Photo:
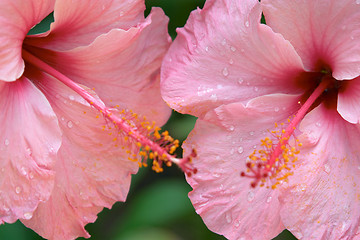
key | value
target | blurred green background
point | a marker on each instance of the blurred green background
(157, 207)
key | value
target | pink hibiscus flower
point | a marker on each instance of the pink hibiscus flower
(278, 134)
(64, 153)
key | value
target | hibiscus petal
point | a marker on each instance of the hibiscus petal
(30, 138)
(223, 140)
(92, 171)
(322, 198)
(78, 23)
(122, 66)
(225, 55)
(323, 31)
(349, 100)
(17, 18)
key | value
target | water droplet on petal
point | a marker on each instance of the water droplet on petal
(225, 72)
(70, 124)
(23, 171)
(62, 119)
(223, 42)
(228, 217)
(71, 97)
(207, 49)
(277, 109)
(240, 81)
(250, 196)
(232, 48)
(213, 97)
(327, 168)
(240, 150)
(231, 61)
(252, 133)
(256, 89)
(6, 142)
(318, 124)
(18, 189)
(247, 24)
(231, 128)
(28, 215)
(232, 151)
(237, 223)
(216, 175)
(31, 175)
(268, 200)
(121, 13)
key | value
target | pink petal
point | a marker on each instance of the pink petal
(322, 198)
(223, 140)
(321, 31)
(92, 172)
(349, 100)
(225, 55)
(17, 18)
(78, 23)
(122, 66)
(29, 139)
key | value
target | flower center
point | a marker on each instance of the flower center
(275, 161)
(142, 137)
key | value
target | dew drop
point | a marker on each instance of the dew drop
(252, 133)
(231, 128)
(207, 49)
(28, 215)
(268, 200)
(240, 150)
(256, 89)
(121, 13)
(237, 223)
(223, 42)
(232, 48)
(62, 119)
(232, 151)
(327, 168)
(23, 171)
(228, 217)
(217, 158)
(231, 61)
(6, 142)
(225, 72)
(18, 189)
(277, 109)
(71, 97)
(31, 175)
(216, 175)
(250, 196)
(213, 97)
(247, 24)
(240, 81)
(70, 124)
(318, 124)
(242, 50)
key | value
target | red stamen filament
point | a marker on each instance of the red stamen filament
(159, 148)
(276, 156)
